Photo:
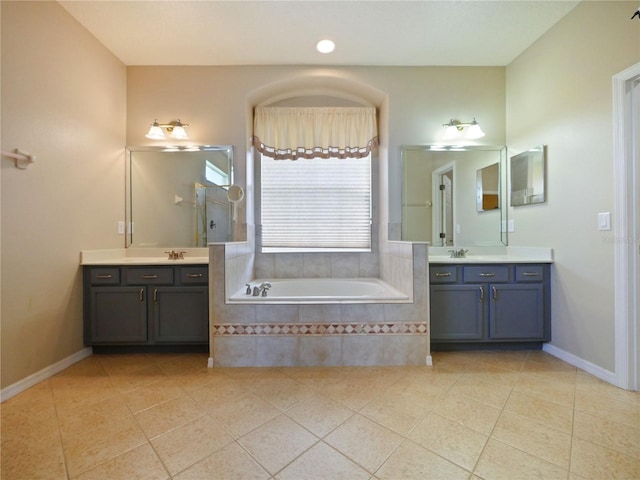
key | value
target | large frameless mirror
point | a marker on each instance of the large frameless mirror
(178, 196)
(454, 196)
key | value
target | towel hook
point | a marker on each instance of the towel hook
(23, 160)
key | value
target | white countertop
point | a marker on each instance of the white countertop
(493, 255)
(143, 256)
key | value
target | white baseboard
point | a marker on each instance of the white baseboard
(582, 364)
(12, 390)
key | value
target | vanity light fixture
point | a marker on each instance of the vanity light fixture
(456, 129)
(176, 130)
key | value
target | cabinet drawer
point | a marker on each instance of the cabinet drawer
(486, 274)
(194, 275)
(529, 273)
(104, 276)
(443, 274)
(149, 275)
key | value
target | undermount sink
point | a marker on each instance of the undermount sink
(470, 259)
(143, 256)
(161, 260)
(494, 255)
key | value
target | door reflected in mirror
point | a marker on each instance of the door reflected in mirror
(177, 196)
(488, 188)
(440, 195)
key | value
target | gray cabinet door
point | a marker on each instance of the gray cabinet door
(516, 312)
(179, 314)
(457, 312)
(118, 315)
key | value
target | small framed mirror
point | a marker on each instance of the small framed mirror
(528, 172)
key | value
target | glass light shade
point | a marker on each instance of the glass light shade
(155, 132)
(474, 131)
(450, 132)
(179, 133)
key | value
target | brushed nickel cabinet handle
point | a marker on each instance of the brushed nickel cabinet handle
(530, 274)
(141, 295)
(155, 295)
(149, 277)
(194, 275)
(495, 293)
(104, 277)
(481, 294)
(438, 274)
(487, 274)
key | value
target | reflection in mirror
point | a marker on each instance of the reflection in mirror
(440, 195)
(487, 188)
(177, 196)
(527, 177)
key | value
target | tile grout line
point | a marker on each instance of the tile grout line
(573, 423)
(64, 453)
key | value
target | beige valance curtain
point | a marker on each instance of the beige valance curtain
(315, 132)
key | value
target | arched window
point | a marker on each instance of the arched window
(315, 177)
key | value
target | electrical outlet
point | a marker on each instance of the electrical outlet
(512, 226)
(121, 227)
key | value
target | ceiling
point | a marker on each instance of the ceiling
(370, 32)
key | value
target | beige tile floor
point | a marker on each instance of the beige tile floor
(474, 415)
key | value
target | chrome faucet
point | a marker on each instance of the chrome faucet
(258, 290)
(461, 253)
(264, 286)
(175, 254)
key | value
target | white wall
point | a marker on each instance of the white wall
(559, 94)
(63, 100)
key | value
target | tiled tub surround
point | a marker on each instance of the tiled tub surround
(346, 333)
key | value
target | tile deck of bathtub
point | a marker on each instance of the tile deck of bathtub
(473, 415)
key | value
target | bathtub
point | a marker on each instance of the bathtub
(322, 290)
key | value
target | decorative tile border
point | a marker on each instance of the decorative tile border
(417, 328)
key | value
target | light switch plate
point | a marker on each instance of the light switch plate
(604, 221)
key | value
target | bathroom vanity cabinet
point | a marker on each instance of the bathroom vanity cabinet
(492, 304)
(146, 305)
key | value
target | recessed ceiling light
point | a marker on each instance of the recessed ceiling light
(325, 46)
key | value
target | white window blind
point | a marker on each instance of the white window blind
(316, 204)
